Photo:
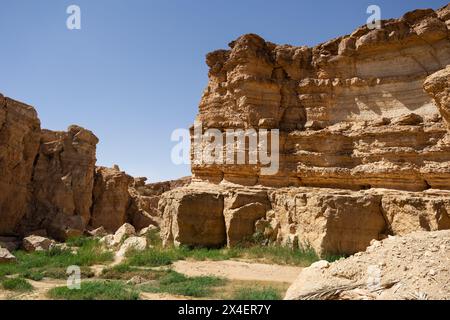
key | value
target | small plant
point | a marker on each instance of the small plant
(96, 290)
(267, 293)
(33, 275)
(125, 272)
(16, 284)
(154, 257)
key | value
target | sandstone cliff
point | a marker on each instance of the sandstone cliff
(19, 141)
(49, 183)
(360, 95)
(364, 140)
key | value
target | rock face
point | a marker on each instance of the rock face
(360, 95)
(144, 200)
(62, 181)
(364, 140)
(399, 268)
(111, 198)
(49, 183)
(193, 217)
(328, 220)
(19, 143)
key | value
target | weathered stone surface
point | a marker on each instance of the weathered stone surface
(193, 218)
(132, 243)
(399, 268)
(143, 210)
(19, 143)
(99, 232)
(6, 256)
(36, 243)
(406, 212)
(360, 95)
(63, 178)
(111, 198)
(242, 208)
(329, 221)
(438, 86)
(122, 233)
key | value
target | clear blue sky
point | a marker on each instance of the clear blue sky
(136, 71)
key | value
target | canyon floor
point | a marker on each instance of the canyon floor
(152, 273)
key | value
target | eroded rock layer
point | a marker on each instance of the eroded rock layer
(328, 220)
(62, 182)
(352, 111)
(364, 140)
(19, 143)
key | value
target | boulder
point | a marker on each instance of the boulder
(36, 243)
(122, 233)
(99, 232)
(132, 243)
(193, 218)
(6, 256)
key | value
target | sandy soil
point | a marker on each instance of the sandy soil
(231, 270)
(237, 270)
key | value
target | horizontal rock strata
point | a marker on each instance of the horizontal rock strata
(328, 220)
(360, 95)
(364, 140)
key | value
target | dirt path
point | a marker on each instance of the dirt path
(39, 293)
(237, 270)
(231, 270)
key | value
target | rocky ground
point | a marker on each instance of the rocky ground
(203, 276)
(416, 266)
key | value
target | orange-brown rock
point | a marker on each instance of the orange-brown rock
(143, 210)
(364, 149)
(19, 143)
(360, 95)
(193, 217)
(62, 182)
(111, 198)
(328, 220)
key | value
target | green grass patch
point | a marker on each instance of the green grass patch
(267, 293)
(154, 257)
(16, 284)
(35, 264)
(176, 283)
(96, 290)
(158, 256)
(125, 272)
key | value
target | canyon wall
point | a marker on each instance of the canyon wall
(360, 95)
(364, 144)
(50, 184)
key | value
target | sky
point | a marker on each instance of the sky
(136, 70)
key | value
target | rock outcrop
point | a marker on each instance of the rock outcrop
(360, 95)
(50, 185)
(111, 198)
(414, 267)
(19, 143)
(62, 183)
(364, 149)
(328, 220)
